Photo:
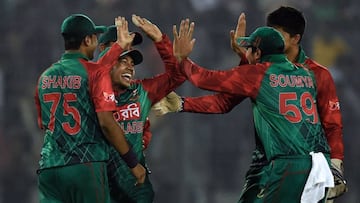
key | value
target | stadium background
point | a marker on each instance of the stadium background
(194, 158)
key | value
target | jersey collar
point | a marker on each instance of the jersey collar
(73, 55)
(302, 56)
(278, 58)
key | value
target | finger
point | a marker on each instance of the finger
(147, 21)
(182, 27)
(132, 35)
(186, 26)
(232, 34)
(192, 42)
(232, 37)
(135, 20)
(241, 26)
(175, 33)
(126, 26)
(191, 29)
(118, 21)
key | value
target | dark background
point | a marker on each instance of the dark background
(194, 158)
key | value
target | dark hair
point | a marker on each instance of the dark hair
(289, 19)
(72, 42)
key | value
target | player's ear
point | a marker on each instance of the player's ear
(257, 54)
(88, 40)
(295, 39)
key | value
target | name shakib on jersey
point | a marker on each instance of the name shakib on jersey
(59, 81)
(291, 81)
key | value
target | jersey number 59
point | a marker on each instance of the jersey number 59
(307, 106)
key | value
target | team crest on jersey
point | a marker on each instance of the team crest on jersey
(109, 97)
(134, 96)
(128, 112)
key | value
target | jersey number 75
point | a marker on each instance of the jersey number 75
(54, 98)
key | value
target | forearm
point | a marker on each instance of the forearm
(115, 135)
(211, 104)
(242, 81)
(110, 57)
(334, 137)
(330, 113)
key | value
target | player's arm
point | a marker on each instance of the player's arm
(240, 31)
(330, 116)
(211, 104)
(104, 101)
(147, 135)
(329, 111)
(161, 41)
(38, 108)
(124, 40)
(110, 58)
(242, 80)
(162, 84)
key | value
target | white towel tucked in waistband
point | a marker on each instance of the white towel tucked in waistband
(319, 178)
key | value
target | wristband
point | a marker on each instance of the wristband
(130, 158)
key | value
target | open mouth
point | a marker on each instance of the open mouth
(126, 76)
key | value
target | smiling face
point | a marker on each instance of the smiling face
(123, 72)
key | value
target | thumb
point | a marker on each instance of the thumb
(232, 34)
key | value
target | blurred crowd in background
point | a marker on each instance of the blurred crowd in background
(194, 158)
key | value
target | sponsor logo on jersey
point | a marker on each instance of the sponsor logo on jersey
(334, 105)
(128, 112)
(134, 96)
(132, 127)
(109, 97)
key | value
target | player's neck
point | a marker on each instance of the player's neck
(119, 89)
(292, 54)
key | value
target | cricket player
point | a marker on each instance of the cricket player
(75, 103)
(134, 100)
(105, 42)
(288, 129)
(291, 23)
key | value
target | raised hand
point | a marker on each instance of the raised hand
(171, 103)
(239, 32)
(124, 39)
(147, 27)
(183, 41)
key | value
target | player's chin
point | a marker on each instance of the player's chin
(125, 83)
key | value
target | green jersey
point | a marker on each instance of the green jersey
(68, 95)
(285, 113)
(133, 107)
(284, 105)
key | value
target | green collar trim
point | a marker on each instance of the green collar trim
(73, 55)
(274, 58)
